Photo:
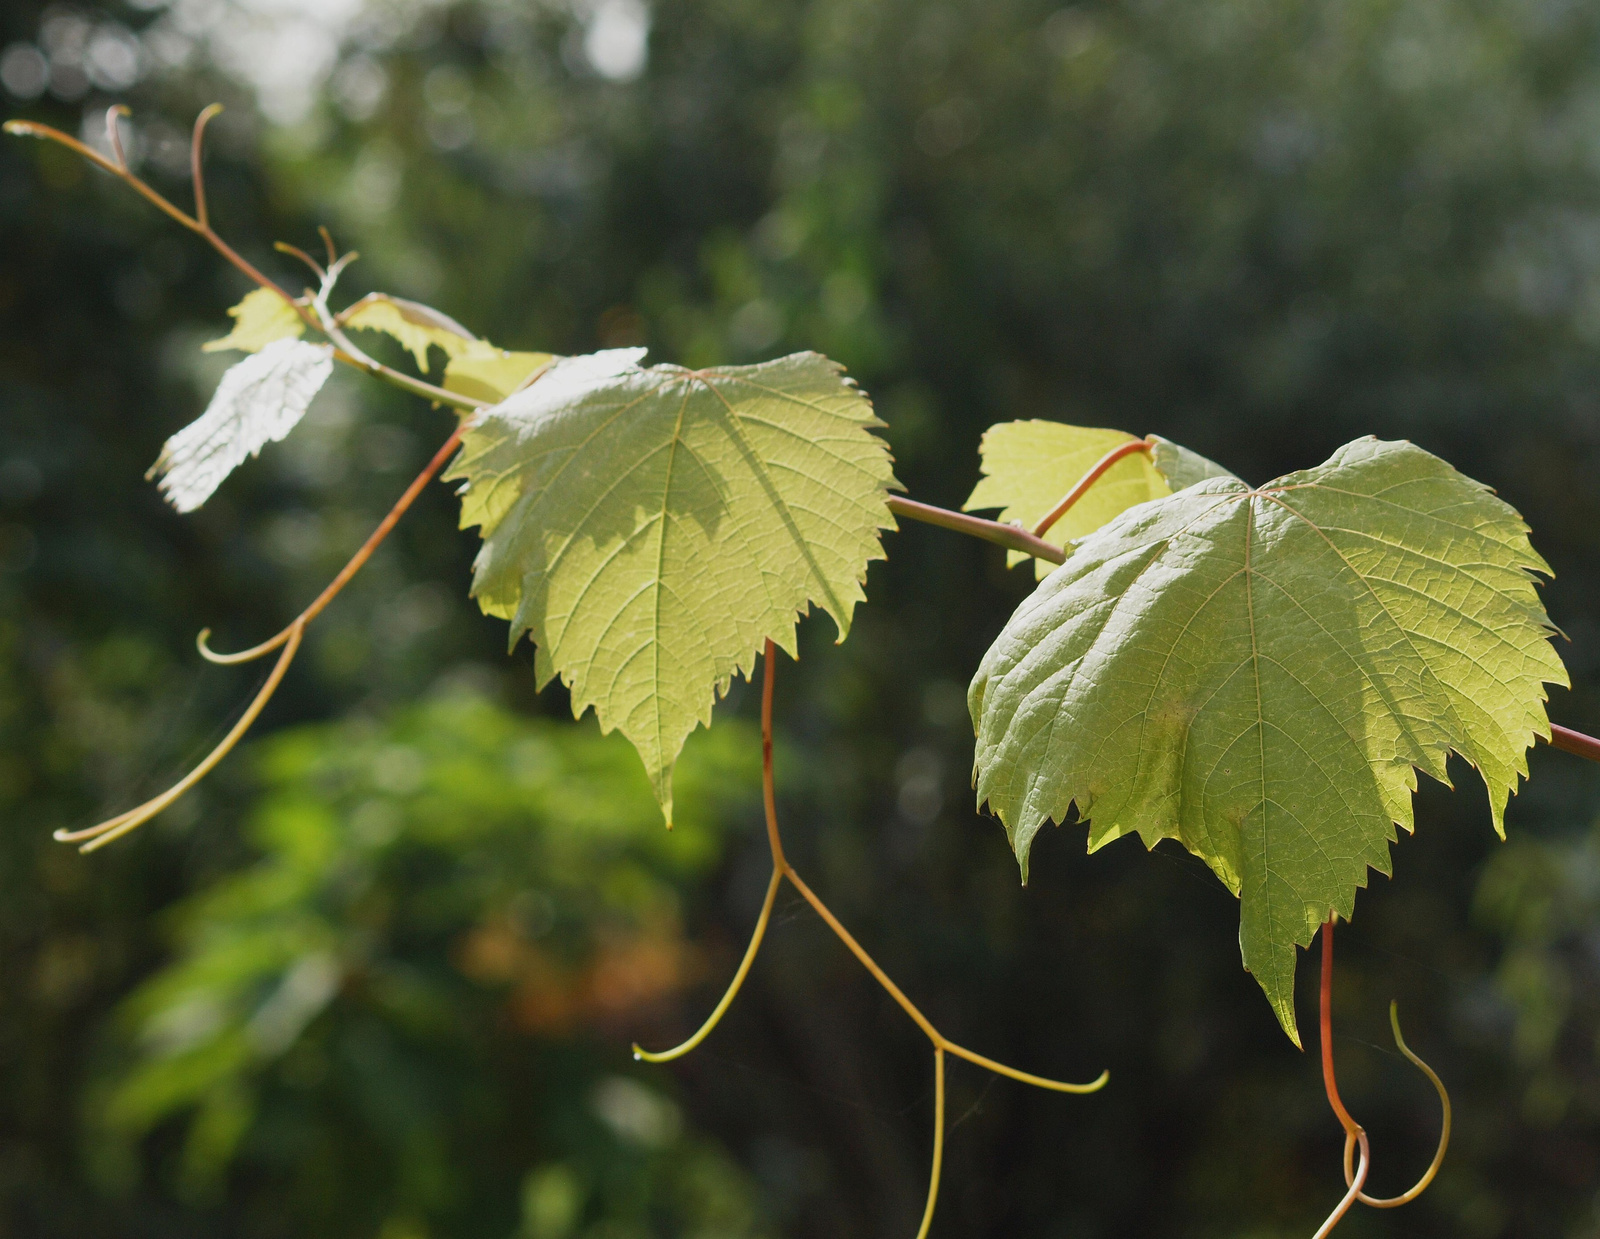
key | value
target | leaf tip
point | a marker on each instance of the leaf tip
(660, 784)
(1284, 1010)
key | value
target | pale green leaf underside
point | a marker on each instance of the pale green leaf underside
(651, 528)
(1255, 673)
(1028, 467)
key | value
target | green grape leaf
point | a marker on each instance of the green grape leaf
(485, 372)
(414, 325)
(1258, 673)
(1181, 467)
(258, 401)
(650, 528)
(262, 317)
(1028, 467)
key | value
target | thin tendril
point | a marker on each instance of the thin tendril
(1406, 1197)
(1081, 487)
(1351, 1196)
(114, 133)
(197, 159)
(938, 1142)
(199, 223)
(98, 836)
(781, 869)
(678, 1051)
(114, 828)
(345, 573)
(328, 323)
(294, 251)
(1354, 1135)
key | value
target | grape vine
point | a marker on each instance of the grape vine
(1255, 671)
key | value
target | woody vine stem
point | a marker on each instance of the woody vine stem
(314, 311)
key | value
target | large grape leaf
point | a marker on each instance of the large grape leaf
(651, 528)
(258, 401)
(1257, 672)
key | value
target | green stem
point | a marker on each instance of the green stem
(1012, 537)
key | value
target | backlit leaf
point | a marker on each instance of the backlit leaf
(485, 372)
(1028, 467)
(650, 528)
(1256, 673)
(262, 317)
(414, 325)
(259, 401)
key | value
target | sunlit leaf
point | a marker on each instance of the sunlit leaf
(485, 372)
(414, 325)
(650, 528)
(1255, 673)
(259, 401)
(261, 318)
(1028, 467)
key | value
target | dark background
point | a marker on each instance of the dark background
(365, 982)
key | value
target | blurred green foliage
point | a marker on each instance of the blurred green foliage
(380, 1017)
(1259, 229)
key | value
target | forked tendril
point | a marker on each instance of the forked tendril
(781, 869)
(200, 224)
(99, 835)
(1354, 1192)
(1354, 1135)
(94, 837)
(313, 311)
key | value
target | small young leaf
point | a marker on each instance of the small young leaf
(1029, 467)
(413, 324)
(651, 528)
(1255, 673)
(485, 372)
(262, 317)
(259, 401)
